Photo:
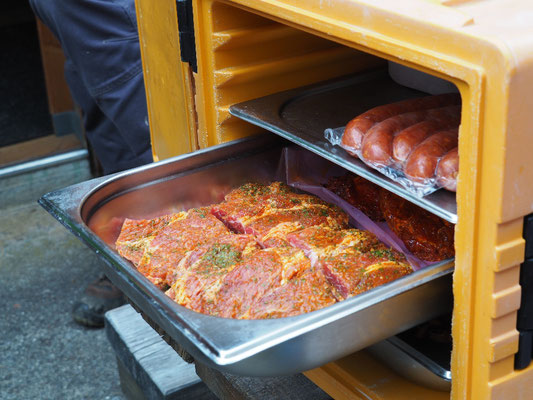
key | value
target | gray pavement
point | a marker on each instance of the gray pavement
(43, 268)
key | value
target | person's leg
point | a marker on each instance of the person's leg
(110, 146)
(104, 72)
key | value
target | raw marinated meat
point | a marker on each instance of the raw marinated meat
(427, 236)
(136, 235)
(305, 293)
(317, 242)
(260, 210)
(353, 261)
(360, 193)
(257, 276)
(199, 275)
(291, 254)
(173, 241)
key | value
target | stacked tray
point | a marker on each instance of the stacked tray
(301, 115)
(92, 211)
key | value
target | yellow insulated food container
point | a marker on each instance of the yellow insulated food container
(247, 49)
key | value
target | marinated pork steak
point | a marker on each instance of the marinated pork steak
(305, 293)
(257, 276)
(360, 193)
(136, 235)
(353, 261)
(318, 241)
(427, 236)
(271, 212)
(174, 240)
(199, 275)
(352, 272)
(291, 254)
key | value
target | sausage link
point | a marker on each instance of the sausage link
(439, 120)
(378, 142)
(448, 169)
(356, 129)
(422, 162)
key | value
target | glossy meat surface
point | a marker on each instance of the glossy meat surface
(261, 210)
(265, 252)
(352, 261)
(136, 235)
(318, 242)
(199, 275)
(263, 272)
(360, 193)
(173, 241)
(304, 293)
(427, 236)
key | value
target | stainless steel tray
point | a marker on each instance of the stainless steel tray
(301, 116)
(253, 348)
(412, 364)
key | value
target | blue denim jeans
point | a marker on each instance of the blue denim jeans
(104, 73)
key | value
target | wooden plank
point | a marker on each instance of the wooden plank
(226, 386)
(59, 98)
(157, 370)
(36, 148)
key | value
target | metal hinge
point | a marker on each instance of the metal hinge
(186, 33)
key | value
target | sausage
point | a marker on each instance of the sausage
(407, 140)
(356, 129)
(448, 169)
(422, 162)
(377, 145)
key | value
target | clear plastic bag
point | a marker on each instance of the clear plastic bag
(308, 172)
(394, 171)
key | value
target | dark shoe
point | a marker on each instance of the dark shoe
(98, 298)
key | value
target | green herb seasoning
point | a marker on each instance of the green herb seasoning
(386, 253)
(222, 255)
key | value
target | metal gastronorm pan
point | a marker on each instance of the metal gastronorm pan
(246, 347)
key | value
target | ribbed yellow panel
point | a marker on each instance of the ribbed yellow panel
(242, 56)
(167, 80)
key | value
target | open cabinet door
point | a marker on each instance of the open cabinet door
(169, 82)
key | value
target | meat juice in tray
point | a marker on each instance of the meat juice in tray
(267, 251)
(414, 142)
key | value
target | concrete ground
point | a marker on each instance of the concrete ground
(43, 269)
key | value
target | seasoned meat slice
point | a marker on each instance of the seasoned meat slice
(266, 227)
(199, 275)
(253, 199)
(172, 242)
(302, 294)
(360, 193)
(352, 271)
(425, 235)
(271, 212)
(258, 275)
(136, 235)
(320, 241)
(352, 260)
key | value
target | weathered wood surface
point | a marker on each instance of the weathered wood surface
(160, 373)
(226, 386)
(157, 370)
